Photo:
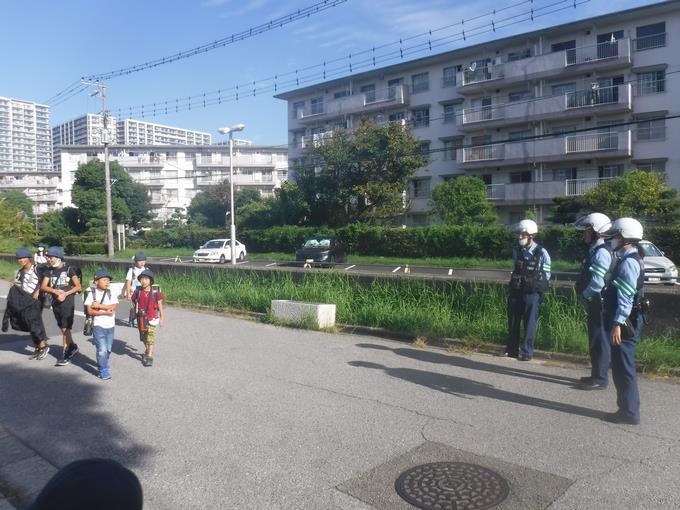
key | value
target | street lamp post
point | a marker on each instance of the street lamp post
(232, 226)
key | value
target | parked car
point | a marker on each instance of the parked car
(322, 250)
(219, 250)
(658, 268)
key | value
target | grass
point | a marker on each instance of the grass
(474, 313)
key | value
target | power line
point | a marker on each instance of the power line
(326, 70)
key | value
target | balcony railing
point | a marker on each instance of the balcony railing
(592, 53)
(483, 153)
(366, 101)
(481, 74)
(495, 191)
(577, 187)
(315, 140)
(649, 42)
(483, 113)
(592, 142)
(593, 97)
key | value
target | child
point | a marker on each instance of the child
(101, 306)
(62, 282)
(149, 307)
(131, 282)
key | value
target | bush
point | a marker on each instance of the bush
(181, 237)
(80, 248)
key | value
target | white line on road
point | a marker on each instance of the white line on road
(397, 269)
(270, 265)
(350, 267)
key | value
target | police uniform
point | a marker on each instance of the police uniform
(528, 282)
(622, 303)
(593, 278)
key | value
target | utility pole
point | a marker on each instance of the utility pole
(101, 91)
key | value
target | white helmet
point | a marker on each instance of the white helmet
(526, 227)
(629, 228)
(597, 221)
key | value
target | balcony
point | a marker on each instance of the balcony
(240, 160)
(650, 42)
(357, 103)
(569, 148)
(140, 162)
(597, 57)
(239, 179)
(577, 187)
(316, 140)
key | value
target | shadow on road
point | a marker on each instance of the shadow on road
(463, 362)
(467, 388)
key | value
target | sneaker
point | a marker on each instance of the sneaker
(64, 360)
(590, 386)
(587, 379)
(524, 357)
(147, 361)
(620, 419)
(71, 351)
(40, 352)
(105, 374)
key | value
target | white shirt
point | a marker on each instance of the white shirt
(132, 275)
(103, 321)
(39, 259)
(27, 280)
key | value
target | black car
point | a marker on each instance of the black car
(321, 250)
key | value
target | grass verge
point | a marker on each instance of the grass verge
(475, 314)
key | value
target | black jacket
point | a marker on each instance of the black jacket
(23, 313)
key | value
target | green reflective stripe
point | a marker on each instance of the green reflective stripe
(624, 287)
(597, 270)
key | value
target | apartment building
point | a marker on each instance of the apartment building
(26, 152)
(174, 175)
(539, 115)
(84, 130)
(137, 132)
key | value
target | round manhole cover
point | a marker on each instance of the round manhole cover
(452, 486)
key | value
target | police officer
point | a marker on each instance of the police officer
(623, 316)
(593, 278)
(528, 282)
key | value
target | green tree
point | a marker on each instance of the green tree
(566, 209)
(206, 211)
(643, 195)
(359, 177)
(53, 228)
(15, 226)
(129, 200)
(15, 199)
(463, 201)
(290, 206)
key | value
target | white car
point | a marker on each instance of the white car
(219, 250)
(658, 269)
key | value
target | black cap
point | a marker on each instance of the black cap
(140, 256)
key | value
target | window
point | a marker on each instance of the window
(420, 188)
(424, 148)
(396, 117)
(420, 82)
(298, 109)
(316, 105)
(519, 55)
(653, 129)
(650, 36)
(565, 45)
(394, 88)
(449, 76)
(652, 82)
(607, 44)
(520, 95)
(450, 147)
(559, 130)
(562, 174)
(520, 177)
(520, 135)
(652, 166)
(449, 113)
(341, 93)
(369, 93)
(421, 117)
(486, 178)
(609, 171)
(562, 89)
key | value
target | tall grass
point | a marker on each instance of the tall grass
(475, 313)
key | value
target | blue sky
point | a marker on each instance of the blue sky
(48, 44)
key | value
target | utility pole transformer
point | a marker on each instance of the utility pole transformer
(101, 90)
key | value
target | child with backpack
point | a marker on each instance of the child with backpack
(101, 305)
(131, 282)
(62, 282)
(149, 309)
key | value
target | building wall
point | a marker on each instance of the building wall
(174, 175)
(135, 132)
(477, 108)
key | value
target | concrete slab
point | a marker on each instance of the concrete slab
(529, 489)
(323, 315)
(12, 450)
(26, 477)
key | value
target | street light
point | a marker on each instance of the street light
(232, 227)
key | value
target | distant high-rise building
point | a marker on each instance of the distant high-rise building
(26, 152)
(136, 132)
(84, 130)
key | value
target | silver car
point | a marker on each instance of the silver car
(658, 268)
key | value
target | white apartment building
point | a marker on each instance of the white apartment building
(26, 152)
(84, 130)
(174, 175)
(477, 109)
(137, 132)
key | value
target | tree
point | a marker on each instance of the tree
(290, 206)
(642, 195)
(206, 211)
(53, 228)
(15, 226)
(15, 199)
(463, 201)
(567, 209)
(361, 177)
(129, 200)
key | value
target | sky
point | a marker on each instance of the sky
(47, 45)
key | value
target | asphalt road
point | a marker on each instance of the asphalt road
(241, 415)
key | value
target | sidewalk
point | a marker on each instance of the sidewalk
(239, 414)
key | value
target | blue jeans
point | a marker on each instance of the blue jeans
(103, 341)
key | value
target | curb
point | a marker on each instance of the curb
(23, 472)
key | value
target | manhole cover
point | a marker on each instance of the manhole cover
(452, 486)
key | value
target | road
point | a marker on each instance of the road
(237, 414)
